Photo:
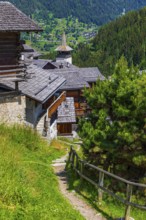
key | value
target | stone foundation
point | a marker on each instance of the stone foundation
(22, 110)
(12, 109)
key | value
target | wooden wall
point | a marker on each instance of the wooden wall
(9, 48)
(64, 129)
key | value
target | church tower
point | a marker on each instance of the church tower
(64, 51)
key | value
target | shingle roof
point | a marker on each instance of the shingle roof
(42, 85)
(73, 79)
(43, 62)
(12, 19)
(66, 111)
(91, 74)
(66, 65)
(78, 78)
(63, 47)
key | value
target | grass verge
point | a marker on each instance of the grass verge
(28, 186)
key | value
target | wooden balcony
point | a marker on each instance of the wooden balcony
(12, 72)
(54, 106)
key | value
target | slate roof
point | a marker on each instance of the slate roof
(73, 79)
(65, 64)
(78, 78)
(66, 111)
(91, 74)
(12, 19)
(43, 62)
(41, 86)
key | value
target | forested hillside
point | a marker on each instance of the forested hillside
(124, 36)
(87, 11)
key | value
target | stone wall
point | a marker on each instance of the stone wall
(12, 109)
(23, 110)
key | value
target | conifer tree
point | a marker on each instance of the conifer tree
(115, 132)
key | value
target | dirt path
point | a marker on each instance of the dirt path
(88, 212)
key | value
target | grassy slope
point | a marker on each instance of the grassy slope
(28, 186)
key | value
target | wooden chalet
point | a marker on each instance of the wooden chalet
(76, 78)
(12, 23)
(54, 92)
(28, 94)
(42, 99)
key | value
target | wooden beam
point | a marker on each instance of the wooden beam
(11, 70)
(12, 78)
(11, 66)
(2, 94)
(11, 75)
(53, 108)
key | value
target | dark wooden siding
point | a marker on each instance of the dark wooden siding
(74, 93)
(64, 129)
(9, 48)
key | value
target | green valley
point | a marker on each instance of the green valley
(77, 32)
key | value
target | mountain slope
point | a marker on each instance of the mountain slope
(97, 11)
(124, 36)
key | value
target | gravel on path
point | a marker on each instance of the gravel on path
(85, 209)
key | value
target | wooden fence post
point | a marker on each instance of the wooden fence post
(129, 196)
(76, 161)
(72, 159)
(81, 169)
(69, 158)
(100, 191)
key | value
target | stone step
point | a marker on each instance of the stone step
(58, 164)
(58, 161)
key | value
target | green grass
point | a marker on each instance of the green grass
(28, 186)
(110, 208)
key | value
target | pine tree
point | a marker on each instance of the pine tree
(115, 131)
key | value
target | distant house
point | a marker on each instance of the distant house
(28, 94)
